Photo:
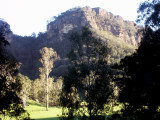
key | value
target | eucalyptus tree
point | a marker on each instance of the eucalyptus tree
(49, 56)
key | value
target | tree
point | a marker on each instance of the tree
(10, 86)
(37, 90)
(33, 35)
(55, 91)
(140, 84)
(48, 58)
(86, 85)
(149, 12)
(26, 86)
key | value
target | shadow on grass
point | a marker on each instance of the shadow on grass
(57, 118)
(35, 103)
(54, 118)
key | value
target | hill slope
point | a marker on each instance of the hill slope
(120, 35)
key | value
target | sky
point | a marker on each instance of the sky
(28, 16)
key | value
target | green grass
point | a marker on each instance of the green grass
(38, 111)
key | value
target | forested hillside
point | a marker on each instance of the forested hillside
(120, 35)
(88, 65)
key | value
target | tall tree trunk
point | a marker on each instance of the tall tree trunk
(90, 107)
(47, 90)
(47, 60)
(89, 88)
(24, 101)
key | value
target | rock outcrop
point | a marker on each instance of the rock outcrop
(97, 19)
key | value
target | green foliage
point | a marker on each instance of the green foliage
(55, 92)
(140, 83)
(10, 86)
(88, 72)
(118, 49)
(149, 12)
(37, 92)
(48, 58)
(26, 87)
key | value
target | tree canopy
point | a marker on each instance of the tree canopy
(10, 86)
(140, 83)
(86, 87)
(48, 58)
(149, 12)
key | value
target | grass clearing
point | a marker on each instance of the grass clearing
(38, 111)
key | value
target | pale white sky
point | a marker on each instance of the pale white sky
(28, 16)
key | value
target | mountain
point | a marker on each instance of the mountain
(120, 35)
(97, 19)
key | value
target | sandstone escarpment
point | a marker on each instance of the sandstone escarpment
(97, 19)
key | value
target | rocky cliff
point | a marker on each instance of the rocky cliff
(97, 19)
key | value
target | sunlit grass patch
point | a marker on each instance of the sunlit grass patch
(38, 111)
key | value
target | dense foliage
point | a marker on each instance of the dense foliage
(38, 91)
(140, 82)
(149, 13)
(86, 87)
(26, 87)
(89, 83)
(10, 86)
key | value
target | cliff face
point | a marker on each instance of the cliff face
(96, 18)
